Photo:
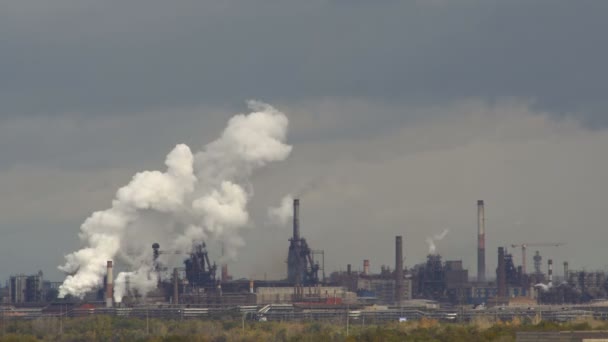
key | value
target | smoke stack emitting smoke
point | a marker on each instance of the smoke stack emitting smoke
(280, 215)
(437, 237)
(549, 285)
(109, 284)
(550, 271)
(199, 196)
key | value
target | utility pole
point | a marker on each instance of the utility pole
(147, 321)
(3, 322)
(244, 316)
(61, 319)
(347, 317)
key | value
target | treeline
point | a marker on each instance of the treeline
(106, 328)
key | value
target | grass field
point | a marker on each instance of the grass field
(106, 328)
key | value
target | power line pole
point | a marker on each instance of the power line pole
(147, 321)
(347, 317)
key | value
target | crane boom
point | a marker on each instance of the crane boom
(533, 244)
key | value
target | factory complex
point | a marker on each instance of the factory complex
(436, 288)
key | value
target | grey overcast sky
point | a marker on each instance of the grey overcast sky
(402, 115)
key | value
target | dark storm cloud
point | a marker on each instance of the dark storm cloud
(407, 112)
(113, 56)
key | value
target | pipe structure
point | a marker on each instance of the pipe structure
(398, 270)
(348, 269)
(109, 285)
(224, 272)
(550, 271)
(538, 259)
(481, 242)
(296, 240)
(296, 219)
(501, 274)
(565, 271)
(366, 267)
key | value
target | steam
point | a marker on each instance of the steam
(544, 287)
(145, 279)
(200, 196)
(280, 215)
(432, 239)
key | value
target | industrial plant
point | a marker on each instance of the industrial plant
(434, 284)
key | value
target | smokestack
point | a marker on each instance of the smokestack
(175, 287)
(366, 267)
(251, 286)
(565, 271)
(398, 270)
(348, 269)
(481, 242)
(224, 272)
(501, 274)
(296, 219)
(550, 271)
(109, 285)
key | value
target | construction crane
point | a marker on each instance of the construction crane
(524, 246)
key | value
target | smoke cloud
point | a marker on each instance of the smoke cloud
(432, 239)
(543, 287)
(200, 196)
(144, 278)
(280, 215)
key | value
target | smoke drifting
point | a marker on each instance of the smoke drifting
(432, 239)
(280, 215)
(543, 287)
(199, 196)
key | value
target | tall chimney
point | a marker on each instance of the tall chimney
(109, 285)
(366, 267)
(565, 271)
(481, 242)
(175, 287)
(550, 271)
(296, 219)
(398, 270)
(501, 274)
(348, 269)
(224, 272)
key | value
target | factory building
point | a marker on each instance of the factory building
(457, 282)
(26, 288)
(387, 287)
(195, 281)
(591, 284)
(379, 289)
(443, 281)
(578, 287)
(310, 295)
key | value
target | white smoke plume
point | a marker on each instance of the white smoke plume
(201, 196)
(145, 278)
(281, 214)
(544, 287)
(432, 239)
